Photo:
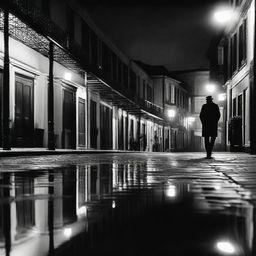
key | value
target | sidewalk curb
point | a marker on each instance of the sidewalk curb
(14, 153)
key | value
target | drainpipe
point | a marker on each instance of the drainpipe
(6, 85)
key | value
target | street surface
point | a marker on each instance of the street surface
(128, 204)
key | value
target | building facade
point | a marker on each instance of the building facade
(172, 98)
(64, 84)
(236, 64)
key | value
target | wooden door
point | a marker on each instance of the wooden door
(105, 127)
(144, 137)
(126, 133)
(120, 132)
(69, 118)
(93, 124)
(81, 122)
(24, 112)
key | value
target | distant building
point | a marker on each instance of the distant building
(196, 82)
(171, 96)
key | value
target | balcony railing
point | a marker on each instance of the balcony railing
(151, 107)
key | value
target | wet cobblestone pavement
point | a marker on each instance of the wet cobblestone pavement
(128, 204)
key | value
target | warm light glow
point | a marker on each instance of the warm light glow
(171, 113)
(67, 232)
(68, 76)
(210, 88)
(82, 210)
(171, 191)
(223, 16)
(226, 247)
(191, 119)
(222, 97)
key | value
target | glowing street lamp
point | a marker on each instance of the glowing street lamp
(68, 76)
(67, 232)
(191, 120)
(222, 97)
(171, 113)
(223, 15)
(210, 88)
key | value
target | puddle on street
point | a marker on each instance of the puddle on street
(123, 209)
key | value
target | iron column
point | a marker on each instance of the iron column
(6, 85)
(51, 142)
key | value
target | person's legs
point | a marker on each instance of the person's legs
(207, 145)
(212, 144)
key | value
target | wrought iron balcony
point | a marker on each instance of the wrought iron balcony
(29, 25)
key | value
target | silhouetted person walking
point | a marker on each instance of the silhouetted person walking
(209, 116)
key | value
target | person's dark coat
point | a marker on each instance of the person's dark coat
(210, 115)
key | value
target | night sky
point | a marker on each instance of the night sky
(174, 34)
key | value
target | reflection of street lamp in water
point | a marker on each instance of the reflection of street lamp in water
(171, 191)
(226, 247)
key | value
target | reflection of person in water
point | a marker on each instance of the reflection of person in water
(209, 116)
